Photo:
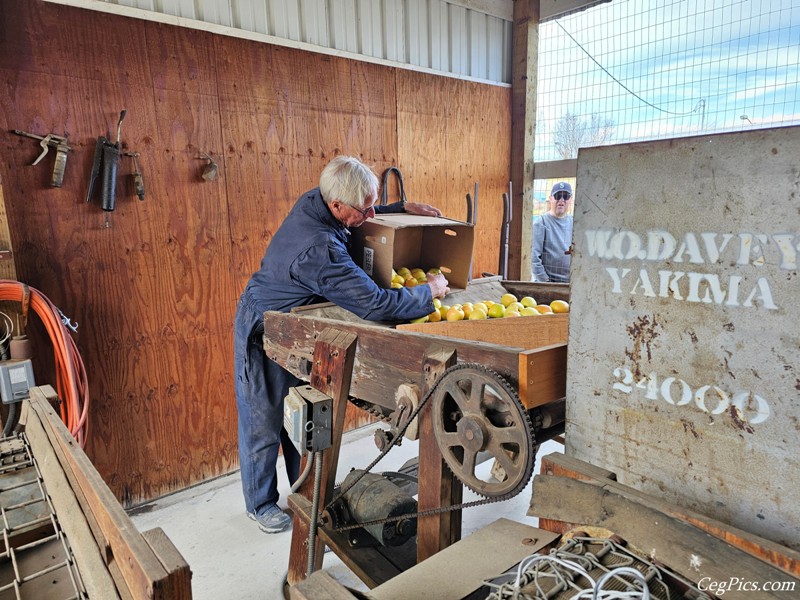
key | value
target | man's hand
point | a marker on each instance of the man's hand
(425, 210)
(438, 285)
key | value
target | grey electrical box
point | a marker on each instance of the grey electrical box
(307, 418)
(16, 378)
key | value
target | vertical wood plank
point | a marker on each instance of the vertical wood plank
(334, 354)
(437, 484)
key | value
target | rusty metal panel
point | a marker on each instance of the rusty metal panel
(684, 330)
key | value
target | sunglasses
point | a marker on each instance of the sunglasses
(562, 196)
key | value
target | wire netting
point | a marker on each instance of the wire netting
(634, 70)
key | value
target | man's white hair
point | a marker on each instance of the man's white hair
(347, 180)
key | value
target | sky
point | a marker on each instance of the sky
(670, 68)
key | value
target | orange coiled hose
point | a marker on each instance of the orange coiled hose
(71, 382)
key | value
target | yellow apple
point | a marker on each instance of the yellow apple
(527, 301)
(477, 314)
(455, 314)
(496, 311)
(507, 299)
(480, 306)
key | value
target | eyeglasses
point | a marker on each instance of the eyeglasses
(562, 196)
(365, 211)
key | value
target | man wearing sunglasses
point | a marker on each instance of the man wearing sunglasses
(307, 262)
(552, 236)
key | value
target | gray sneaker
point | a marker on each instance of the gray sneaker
(272, 520)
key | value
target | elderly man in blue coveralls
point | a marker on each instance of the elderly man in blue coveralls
(307, 262)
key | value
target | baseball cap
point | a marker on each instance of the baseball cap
(561, 186)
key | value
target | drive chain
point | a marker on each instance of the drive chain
(396, 442)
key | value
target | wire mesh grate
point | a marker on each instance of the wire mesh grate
(36, 561)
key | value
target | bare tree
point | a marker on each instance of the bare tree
(571, 133)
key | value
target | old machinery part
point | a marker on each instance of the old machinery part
(383, 438)
(503, 408)
(475, 410)
(406, 400)
(369, 498)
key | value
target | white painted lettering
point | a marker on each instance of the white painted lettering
(788, 248)
(690, 247)
(733, 290)
(712, 250)
(598, 243)
(712, 285)
(617, 277)
(668, 283)
(644, 283)
(660, 245)
(748, 248)
(622, 250)
(763, 293)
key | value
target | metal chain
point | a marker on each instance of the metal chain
(396, 442)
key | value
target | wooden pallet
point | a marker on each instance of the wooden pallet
(112, 559)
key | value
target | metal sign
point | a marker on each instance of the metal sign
(685, 327)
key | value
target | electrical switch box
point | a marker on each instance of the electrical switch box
(16, 378)
(308, 418)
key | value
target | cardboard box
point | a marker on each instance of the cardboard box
(402, 240)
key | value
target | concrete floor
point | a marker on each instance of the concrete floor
(231, 558)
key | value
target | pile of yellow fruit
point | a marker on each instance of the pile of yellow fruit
(405, 277)
(508, 306)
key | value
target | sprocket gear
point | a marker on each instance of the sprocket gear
(474, 411)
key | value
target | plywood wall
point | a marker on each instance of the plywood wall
(155, 293)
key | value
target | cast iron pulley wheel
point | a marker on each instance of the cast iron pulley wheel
(475, 411)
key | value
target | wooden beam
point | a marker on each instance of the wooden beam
(7, 267)
(780, 556)
(332, 369)
(543, 375)
(385, 358)
(553, 9)
(90, 560)
(685, 548)
(320, 586)
(437, 484)
(523, 131)
(458, 571)
(556, 169)
(142, 571)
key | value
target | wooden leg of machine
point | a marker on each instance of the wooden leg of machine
(333, 367)
(437, 485)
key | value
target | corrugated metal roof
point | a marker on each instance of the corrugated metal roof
(466, 38)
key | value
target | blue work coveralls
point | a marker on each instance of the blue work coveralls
(306, 262)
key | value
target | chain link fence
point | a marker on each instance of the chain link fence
(634, 70)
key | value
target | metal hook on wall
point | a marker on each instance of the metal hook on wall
(211, 169)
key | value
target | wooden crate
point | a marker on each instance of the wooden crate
(526, 333)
